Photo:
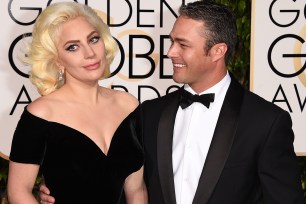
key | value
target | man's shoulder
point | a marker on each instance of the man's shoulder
(258, 102)
(163, 99)
(157, 105)
(254, 102)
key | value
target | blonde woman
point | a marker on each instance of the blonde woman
(79, 134)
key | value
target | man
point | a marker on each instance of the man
(236, 148)
(234, 151)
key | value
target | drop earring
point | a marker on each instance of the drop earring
(60, 75)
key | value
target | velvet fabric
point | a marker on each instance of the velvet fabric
(74, 167)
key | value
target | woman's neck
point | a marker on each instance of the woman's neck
(81, 93)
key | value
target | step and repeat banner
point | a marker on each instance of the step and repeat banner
(278, 59)
(141, 66)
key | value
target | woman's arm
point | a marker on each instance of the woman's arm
(135, 188)
(21, 179)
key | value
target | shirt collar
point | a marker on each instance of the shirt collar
(216, 89)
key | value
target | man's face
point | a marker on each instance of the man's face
(191, 64)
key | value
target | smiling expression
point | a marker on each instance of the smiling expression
(191, 63)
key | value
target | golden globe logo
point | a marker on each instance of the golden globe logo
(298, 61)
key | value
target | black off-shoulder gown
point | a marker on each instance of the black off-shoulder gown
(74, 167)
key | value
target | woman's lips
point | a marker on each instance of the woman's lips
(92, 66)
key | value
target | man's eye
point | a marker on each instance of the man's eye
(95, 39)
(183, 45)
(72, 48)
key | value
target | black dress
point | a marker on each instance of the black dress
(74, 167)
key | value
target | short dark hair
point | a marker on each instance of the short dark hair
(219, 22)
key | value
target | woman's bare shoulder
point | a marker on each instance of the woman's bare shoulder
(43, 106)
(124, 99)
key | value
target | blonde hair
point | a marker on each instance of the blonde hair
(42, 52)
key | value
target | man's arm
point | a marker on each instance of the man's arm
(44, 195)
(135, 188)
(278, 167)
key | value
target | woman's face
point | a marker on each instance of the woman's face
(81, 51)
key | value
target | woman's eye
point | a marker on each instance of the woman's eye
(94, 39)
(72, 48)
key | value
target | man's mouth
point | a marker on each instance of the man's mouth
(179, 65)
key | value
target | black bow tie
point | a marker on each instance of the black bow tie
(187, 99)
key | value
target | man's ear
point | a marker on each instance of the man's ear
(218, 51)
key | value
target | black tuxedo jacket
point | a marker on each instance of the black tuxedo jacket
(251, 153)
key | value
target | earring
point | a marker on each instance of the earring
(60, 75)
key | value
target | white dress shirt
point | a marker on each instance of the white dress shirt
(193, 131)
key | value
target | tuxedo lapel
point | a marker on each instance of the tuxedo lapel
(164, 149)
(221, 143)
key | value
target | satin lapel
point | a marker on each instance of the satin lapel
(221, 143)
(164, 149)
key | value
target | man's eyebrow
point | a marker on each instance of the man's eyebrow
(180, 40)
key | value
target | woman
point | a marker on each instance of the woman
(79, 134)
